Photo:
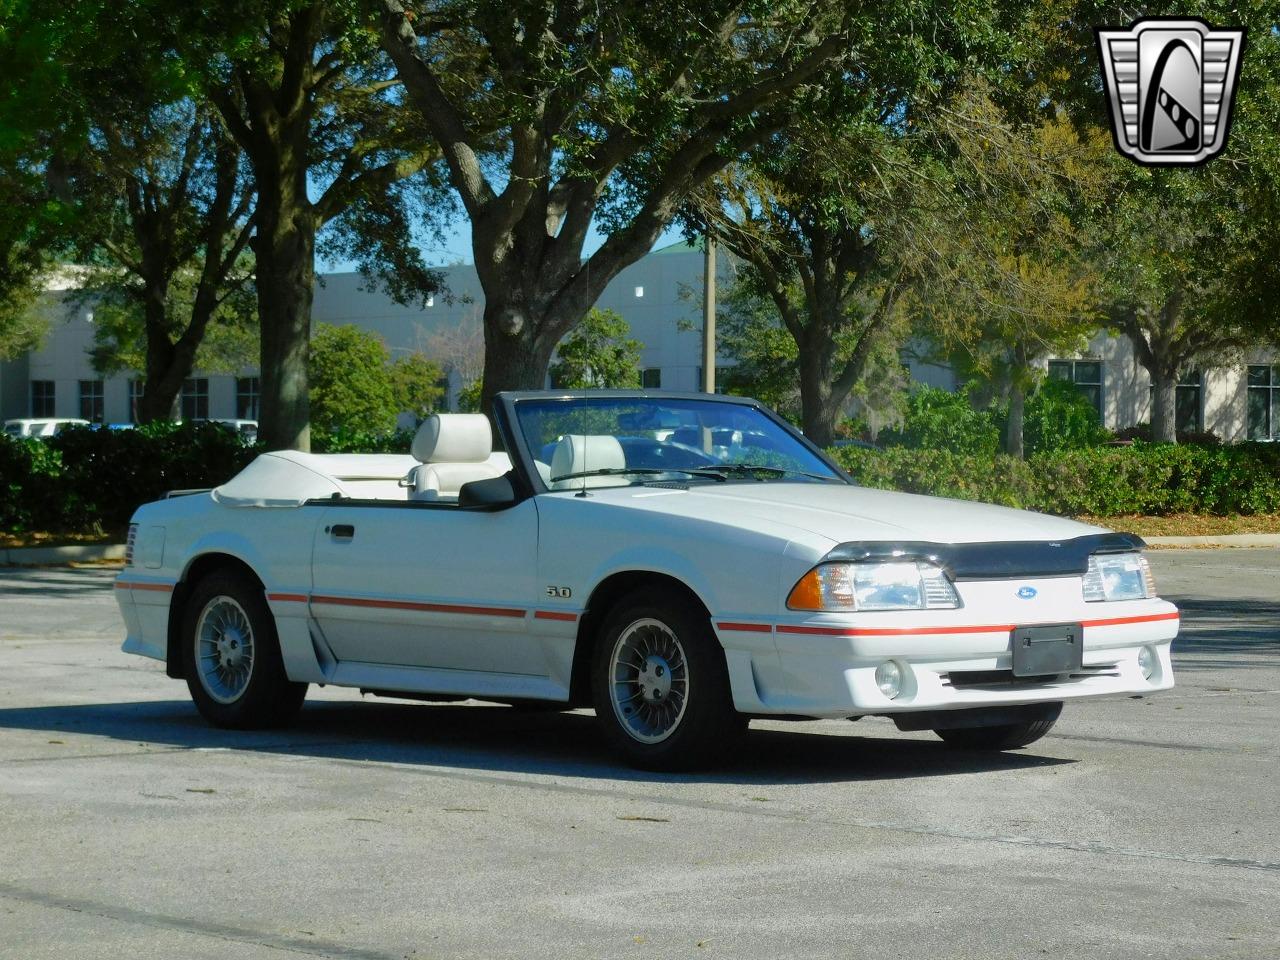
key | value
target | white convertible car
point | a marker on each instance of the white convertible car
(680, 562)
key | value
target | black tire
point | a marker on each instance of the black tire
(268, 698)
(1008, 736)
(707, 727)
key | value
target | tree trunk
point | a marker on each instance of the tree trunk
(515, 358)
(1019, 375)
(284, 278)
(159, 398)
(1164, 408)
(817, 410)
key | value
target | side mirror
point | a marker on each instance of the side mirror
(496, 493)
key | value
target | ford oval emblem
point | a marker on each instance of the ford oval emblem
(1027, 593)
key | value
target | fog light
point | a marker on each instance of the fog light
(889, 679)
(1148, 660)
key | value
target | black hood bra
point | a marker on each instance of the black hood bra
(994, 561)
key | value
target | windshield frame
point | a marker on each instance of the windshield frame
(522, 457)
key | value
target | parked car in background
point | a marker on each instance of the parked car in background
(41, 426)
(680, 562)
(247, 429)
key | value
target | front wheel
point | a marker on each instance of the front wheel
(1007, 736)
(233, 668)
(660, 686)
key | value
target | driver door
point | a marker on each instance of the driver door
(428, 586)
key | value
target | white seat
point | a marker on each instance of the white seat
(452, 449)
(578, 453)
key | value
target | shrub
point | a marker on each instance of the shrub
(347, 440)
(1150, 479)
(1059, 417)
(87, 479)
(938, 419)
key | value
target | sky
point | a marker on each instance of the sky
(457, 247)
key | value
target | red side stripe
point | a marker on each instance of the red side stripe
(414, 605)
(554, 615)
(288, 597)
(138, 585)
(1148, 618)
(746, 627)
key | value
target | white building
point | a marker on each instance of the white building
(660, 298)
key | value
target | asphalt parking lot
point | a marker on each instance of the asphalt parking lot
(378, 829)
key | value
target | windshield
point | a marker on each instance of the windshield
(615, 441)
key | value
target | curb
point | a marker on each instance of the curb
(39, 556)
(1225, 540)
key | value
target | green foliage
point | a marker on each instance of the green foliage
(93, 479)
(938, 419)
(228, 345)
(416, 384)
(22, 323)
(1060, 417)
(469, 397)
(750, 332)
(347, 440)
(599, 354)
(351, 383)
(357, 392)
(1152, 479)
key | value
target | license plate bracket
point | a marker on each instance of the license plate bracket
(1048, 649)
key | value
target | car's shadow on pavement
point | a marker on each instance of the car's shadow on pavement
(503, 740)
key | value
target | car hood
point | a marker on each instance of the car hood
(846, 513)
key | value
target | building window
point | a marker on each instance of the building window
(1085, 374)
(1264, 402)
(651, 378)
(1188, 410)
(639, 292)
(247, 398)
(722, 374)
(91, 400)
(42, 398)
(136, 387)
(195, 399)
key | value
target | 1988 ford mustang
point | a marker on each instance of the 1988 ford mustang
(680, 562)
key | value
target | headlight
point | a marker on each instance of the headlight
(1118, 576)
(896, 585)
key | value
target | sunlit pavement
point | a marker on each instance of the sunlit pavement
(1140, 828)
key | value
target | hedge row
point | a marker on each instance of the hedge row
(84, 480)
(1152, 479)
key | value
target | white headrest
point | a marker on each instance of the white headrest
(578, 452)
(453, 438)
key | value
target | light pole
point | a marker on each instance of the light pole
(709, 316)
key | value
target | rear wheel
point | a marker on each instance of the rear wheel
(660, 686)
(233, 667)
(1008, 736)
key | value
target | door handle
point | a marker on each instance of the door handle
(342, 531)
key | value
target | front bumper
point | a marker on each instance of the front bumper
(825, 665)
